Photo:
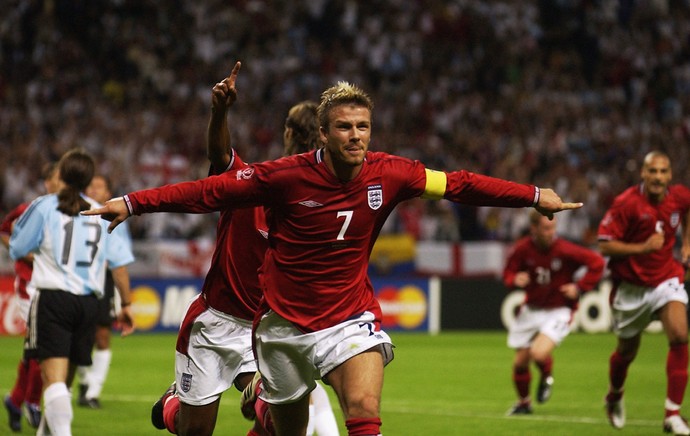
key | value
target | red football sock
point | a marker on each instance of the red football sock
(677, 374)
(522, 379)
(263, 416)
(258, 431)
(34, 386)
(170, 409)
(618, 371)
(545, 367)
(363, 426)
(18, 394)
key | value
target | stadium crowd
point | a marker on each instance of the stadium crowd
(567, 94)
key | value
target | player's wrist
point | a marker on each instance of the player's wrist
(537, 196)
(125, 304)
(128, 204)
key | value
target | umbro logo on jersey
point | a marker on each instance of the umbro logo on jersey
(245, 173)
(374, 196)
(263, 233)
(310, 203)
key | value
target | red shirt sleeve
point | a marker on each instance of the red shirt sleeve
(6, 225)
(232, 189)
(479, 190)
(513, 265)
(592, 260)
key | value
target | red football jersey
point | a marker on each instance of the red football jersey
(551, 268)
(22, 268)
(232, 282)
(632, 218)
(322, 230)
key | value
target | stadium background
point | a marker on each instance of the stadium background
(565, 94)
(562, 94)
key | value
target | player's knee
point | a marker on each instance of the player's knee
(521, 367)
(677, 333)
(628, 354)
(539, 356)
(102, 337)
(362, 406)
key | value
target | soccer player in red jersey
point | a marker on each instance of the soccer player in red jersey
(214, 346)
(638, 232)
(544, 265)
(26, 392)
(319, 317)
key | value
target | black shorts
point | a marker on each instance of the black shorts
(61, 324)
(106, 304)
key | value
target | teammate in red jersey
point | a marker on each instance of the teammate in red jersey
(319, 317)
(544, 265)
(26, 393)
(638, 232)
(214, 347)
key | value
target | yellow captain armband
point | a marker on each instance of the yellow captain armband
(435, 184)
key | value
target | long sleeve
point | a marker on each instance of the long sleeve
(28, 231)
(234, 189)
(512, 267)
(595, 267)
(479, 190)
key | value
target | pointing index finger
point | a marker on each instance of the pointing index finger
(568, 206)
(233, 74)
(97, 211)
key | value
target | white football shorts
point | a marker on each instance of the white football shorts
(220, 349)
(553, 322)
(634, 307)
(291, 361)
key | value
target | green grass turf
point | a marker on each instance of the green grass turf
(456, 383)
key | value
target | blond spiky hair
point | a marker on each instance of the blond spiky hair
(341, 93)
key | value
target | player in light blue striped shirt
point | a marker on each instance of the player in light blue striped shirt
(71, 254)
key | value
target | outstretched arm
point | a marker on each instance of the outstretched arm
(218, 141)
(232, 189)
(480, 190)
(550, 203)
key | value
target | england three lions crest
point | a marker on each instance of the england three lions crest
(186, 384)
(375, 196)
(674, 219)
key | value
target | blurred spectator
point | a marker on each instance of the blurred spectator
(563, 94)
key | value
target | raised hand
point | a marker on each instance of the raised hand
(224, 92)
(126, 321)
(521, 279)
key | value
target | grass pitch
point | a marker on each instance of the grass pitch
(456, 383)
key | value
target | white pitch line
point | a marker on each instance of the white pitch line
(554, 418)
